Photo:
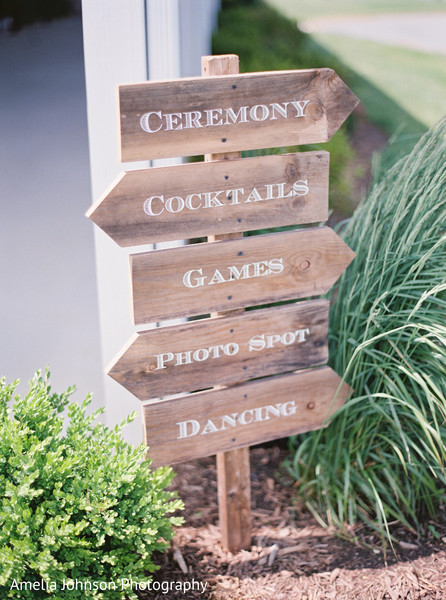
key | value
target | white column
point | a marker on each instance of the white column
(125, 42)
(115, 52)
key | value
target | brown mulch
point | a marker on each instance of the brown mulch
(291, 555)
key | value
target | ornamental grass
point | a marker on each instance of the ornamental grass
(381, 460)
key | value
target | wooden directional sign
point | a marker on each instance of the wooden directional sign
(201, 354)
(207, 198)
(204, 278)
(193, 116)
(205, 423)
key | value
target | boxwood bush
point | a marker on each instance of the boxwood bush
(77, 503)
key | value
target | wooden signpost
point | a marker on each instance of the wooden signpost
(271, 359)
(209, 352)
(249, 413)
(202, 278)
(188, 116)
(207, 198)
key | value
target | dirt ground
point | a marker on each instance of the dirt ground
(291, 556)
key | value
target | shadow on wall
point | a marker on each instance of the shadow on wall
(16, 14)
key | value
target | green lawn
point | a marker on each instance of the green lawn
(414, 80)
(310, 9)
(400, 88)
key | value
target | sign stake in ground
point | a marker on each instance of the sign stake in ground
(233, 468)
(254, 354)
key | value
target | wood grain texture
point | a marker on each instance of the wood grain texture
(217, 197)
(233, 468)
(307, 398)
(329, 103)
(234, 498)
(311, 259)
(159, 362)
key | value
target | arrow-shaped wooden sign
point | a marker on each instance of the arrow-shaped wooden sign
(204, 278)
(208, 198)
(205, 423)
(225, 113)
(209, 352)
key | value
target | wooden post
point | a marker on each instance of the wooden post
(233, 472)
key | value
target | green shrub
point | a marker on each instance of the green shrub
(382, 459)
(80, 505)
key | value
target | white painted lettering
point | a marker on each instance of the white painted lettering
(211, 199)
(249, 416)
(173, 121)
(254, 195)
(230, 420)
(157, 205)
(172, 201)
(272, 410)
(243, 419)
(288, 408)
(234, 116)
(269, 191)
(275, 265)
(198, 281)
(193, 425)
(148, 206)
(300, 188)
(183, 358)
(201, 354)
(189, 200)
(300, 107)
(258, 414)
(271, 340)
(288, 338)
(259, 342)
(260, 268)
(254, 112)
(192, 119)
(161, 359)
(243, 273)
(282, 110)
(155, 121)
(231, 349)
(232, 195)
(281, 191)
(209, 428)
(302, 333)
(145, 121)
(217, 278)
(214, 117)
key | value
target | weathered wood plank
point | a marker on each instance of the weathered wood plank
(250, 413)
(234, 498)
(201, 199)
(202, 278)
(192, 116)
(233, 468)
(225, 350)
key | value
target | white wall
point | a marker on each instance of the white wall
(125, 42)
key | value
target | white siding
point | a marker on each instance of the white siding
(125, 42)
